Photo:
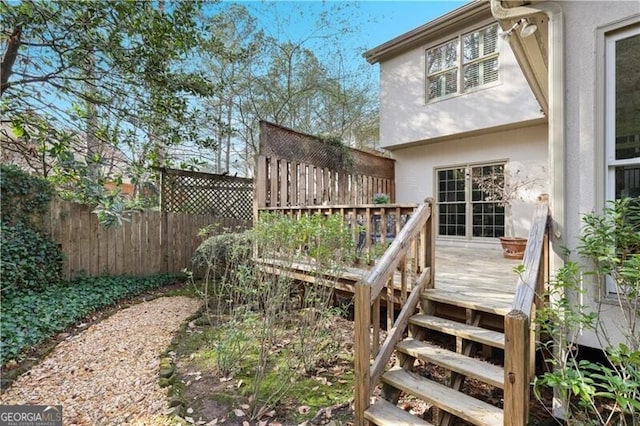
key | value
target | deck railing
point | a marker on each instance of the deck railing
(373, 226)
(417, 237)
(519, 352)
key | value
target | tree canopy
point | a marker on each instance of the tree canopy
(95, 90)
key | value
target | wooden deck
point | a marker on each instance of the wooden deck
(481, 275)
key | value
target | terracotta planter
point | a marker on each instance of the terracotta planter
(513, 247)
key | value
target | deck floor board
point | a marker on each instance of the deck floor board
(480, 274)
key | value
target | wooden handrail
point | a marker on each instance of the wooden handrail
(417, 235)
(519, 339)
(528, 280)
(378, 276)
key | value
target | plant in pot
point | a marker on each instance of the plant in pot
(504, 185)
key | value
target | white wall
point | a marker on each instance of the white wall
(584, 133)
(405, 117)
(526, 147)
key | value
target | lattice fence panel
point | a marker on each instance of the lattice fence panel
(204, 193)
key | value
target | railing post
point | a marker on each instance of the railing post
(516, 369)
(362, 344)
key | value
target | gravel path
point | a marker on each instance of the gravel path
(108, 374)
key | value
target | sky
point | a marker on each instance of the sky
(375, 21)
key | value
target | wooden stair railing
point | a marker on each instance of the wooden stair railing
(477, 328)
(519, 352)
(416, 240)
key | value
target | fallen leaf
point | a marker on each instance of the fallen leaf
(238, 412)
(245, 407)
(304, 409)
(189, 420)
(189, 410)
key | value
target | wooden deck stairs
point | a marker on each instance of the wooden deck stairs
(469, 335)
(490, 341)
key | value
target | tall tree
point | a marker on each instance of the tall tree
(112, 71)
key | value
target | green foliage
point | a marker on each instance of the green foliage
(247, 301)
(30, 317)
(381, 198)
(609, 247)
(222, 254)
(24, 198)
(29, 260)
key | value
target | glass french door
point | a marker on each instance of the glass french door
(467, 207)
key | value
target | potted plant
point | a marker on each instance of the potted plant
(505, 185)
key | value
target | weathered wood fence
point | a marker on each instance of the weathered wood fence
(150, 242)
(296, 169)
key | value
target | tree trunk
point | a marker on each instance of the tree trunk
(9, 58)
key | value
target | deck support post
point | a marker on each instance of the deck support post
(516, 368)
(362, 344)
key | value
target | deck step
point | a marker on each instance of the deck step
(465, 331)
(469, 367)
(383, 413)
(492, 304)
(467, 408)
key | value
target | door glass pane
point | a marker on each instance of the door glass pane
(451, 202)
(487, 183)
(627, 103)
(627, 181)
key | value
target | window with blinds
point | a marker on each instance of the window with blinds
(462, 64)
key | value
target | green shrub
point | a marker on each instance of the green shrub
(28, 259)
(31, 317)
(25, 198)
(597, 392)
(221, 254)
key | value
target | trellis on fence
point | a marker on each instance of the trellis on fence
(295, 169)
(220, 196)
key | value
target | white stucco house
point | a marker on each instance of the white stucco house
(556, 105)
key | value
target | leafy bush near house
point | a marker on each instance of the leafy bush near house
(25, 198)
(598, 392)
(28, 260)
(30, 317)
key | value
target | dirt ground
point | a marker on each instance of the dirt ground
(202, 390)
(105, 371)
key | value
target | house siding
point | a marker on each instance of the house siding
(406, 117)
(585, 169)
(526, 147)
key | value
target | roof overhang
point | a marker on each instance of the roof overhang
(454, 21)
(531, 52)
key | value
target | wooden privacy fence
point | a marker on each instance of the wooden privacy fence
(295, 169)
(151, 242)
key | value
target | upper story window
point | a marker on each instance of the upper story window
(464, 63)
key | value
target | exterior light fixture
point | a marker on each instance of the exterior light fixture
(527, 28)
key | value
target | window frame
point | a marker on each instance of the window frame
(468, 202)
(610, 163)
(461, 64)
